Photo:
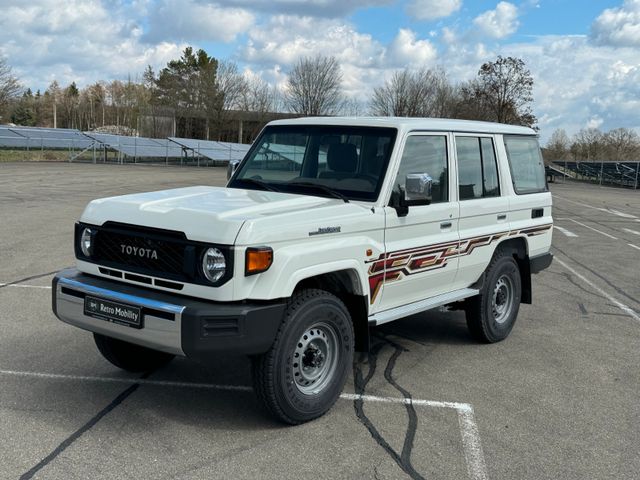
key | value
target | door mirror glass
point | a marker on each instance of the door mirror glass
(417, 189)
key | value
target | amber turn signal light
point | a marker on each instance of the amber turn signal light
(257, 260)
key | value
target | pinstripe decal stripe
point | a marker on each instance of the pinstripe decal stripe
(393, 266)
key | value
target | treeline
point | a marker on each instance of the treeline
(199, 92)
(591, 144)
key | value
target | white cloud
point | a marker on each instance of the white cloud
(432, 9)
(577, 84)
(363, 59)
(81, 41)
(320, 8)
(406, 49)
(189, 19)
(618, 26)
(500, 22)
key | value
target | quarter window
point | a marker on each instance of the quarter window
(477, 168)
(425, 154)
(527, 166)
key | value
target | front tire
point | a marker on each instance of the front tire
(302, 375)
(128, 356)
(492, 314)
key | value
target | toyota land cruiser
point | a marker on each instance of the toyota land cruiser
(328, 227)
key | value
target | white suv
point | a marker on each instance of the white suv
(328, 227)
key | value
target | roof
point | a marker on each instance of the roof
(410, 124)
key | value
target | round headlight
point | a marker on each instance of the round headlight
(213, 264)
(85, 242)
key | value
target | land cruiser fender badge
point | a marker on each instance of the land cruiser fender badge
(323, 230)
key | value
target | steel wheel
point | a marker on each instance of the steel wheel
(302, 375)
(314, 358)
(502, 302)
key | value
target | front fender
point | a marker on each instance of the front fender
(295, 263)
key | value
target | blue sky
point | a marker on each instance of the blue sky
(584, 55)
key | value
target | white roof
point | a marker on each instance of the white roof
(411, 124)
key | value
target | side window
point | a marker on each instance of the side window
(425, 154)
(527, 167)
(477, 168)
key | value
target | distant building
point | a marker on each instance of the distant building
(234, 126)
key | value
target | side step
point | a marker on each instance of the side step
(421, 306)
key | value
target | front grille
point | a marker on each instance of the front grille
(142, 253)
(149, 252)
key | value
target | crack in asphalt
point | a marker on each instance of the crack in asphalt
(402, 459)
(67, 442)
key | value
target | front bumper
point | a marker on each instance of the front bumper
(172, 323)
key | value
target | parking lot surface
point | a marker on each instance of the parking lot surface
(557, 399)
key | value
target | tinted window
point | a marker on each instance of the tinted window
(477, 168)
(489, 168)
(425, 154)
(527, 167)
(288, 158)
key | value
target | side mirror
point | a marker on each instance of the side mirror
(417, 190)
(231, 168)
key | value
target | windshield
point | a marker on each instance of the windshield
(316, 160)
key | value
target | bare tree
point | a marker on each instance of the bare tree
(558, 146)
(226, 94)
(314, 86)
(9, 85)
(419, 93)
(504, 91)
(587, 144)
(260, 98)
(621, 144)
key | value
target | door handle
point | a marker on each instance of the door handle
(502, 216)
(444, 225)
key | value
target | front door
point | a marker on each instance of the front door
(420, 259)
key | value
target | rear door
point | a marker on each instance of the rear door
(420, 247)
(530, 202)
(484, 206)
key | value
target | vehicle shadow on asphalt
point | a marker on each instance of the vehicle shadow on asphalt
(436, 327)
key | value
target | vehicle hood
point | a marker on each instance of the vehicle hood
(217, 214)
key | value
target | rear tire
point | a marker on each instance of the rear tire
(302, 375)
(492, 314)
(130, 357)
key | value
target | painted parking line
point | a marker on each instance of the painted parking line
(44, 287)
(606, 210)
(594, 229)
(567, 233)
(634, 232)
(626, 309)
(633, 246)
(470, 436)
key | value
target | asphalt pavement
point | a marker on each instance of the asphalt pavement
(557, 399)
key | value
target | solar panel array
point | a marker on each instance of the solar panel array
(126, 148)
(138, 147)
(56, 138)
(219, 151)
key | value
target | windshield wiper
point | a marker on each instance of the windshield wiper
(259, 183)
(324, 188)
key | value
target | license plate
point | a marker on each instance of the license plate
(113, 312)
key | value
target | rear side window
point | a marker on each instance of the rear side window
(477, 168)
(527, 167)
